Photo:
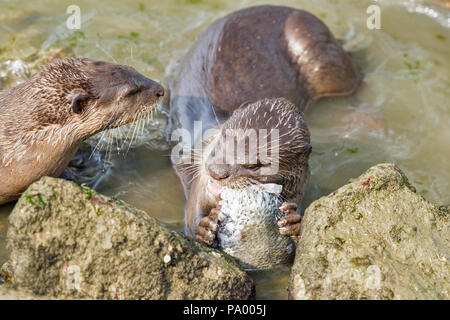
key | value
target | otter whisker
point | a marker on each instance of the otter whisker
(194, 177)
(99, 142)
(140, 128)
(109, 146)
(128, 134)
(143, 125)
(190, 169)
(105, 52)
(128, 129)
(133, 134)
(120, 136)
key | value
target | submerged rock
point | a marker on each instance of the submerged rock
(373, 238)
(67, 241)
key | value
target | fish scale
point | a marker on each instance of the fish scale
(249, 230)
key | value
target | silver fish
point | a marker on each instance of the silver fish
(249, 230)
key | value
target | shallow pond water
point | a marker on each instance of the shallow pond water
(400, 114)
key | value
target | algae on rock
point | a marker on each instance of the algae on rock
(67, 241)
(373, 238)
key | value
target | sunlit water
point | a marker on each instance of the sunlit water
(400, 114)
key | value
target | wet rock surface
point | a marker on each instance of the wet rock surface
(9, 293)
(374, 238)
(67, 241)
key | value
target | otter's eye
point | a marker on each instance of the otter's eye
(252, 166)
(134, 91)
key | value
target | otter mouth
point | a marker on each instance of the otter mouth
(143, 112)
(125, 131)
(215, 189)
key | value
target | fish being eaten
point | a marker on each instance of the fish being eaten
(248, 229)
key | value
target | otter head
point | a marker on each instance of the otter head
(44, 120)
(90, 96)
(264, 142)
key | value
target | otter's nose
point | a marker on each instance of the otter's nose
(155, 87)
(218, 172)
(160, 91)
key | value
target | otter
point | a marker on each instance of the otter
(259, 67)
(258, 52)
(44, 120)
(282, 148)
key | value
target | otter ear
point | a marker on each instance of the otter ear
(78, 100)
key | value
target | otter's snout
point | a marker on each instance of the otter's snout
(218, 172)
(154, 87)
(158, 89)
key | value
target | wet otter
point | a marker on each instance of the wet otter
(281, 144)
(260, 52)
(280, 158)
(44, 120)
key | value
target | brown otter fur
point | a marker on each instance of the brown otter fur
(292, 170)
(252, 54)
(44, 120)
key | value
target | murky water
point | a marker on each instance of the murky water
(400, 114)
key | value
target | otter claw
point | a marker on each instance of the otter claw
(290, 219)
(208, 227)
(288, 206)
(205, 236)
(290, 230)
(289, 225)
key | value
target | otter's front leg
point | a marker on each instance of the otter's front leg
(208, 227)
(289, 225)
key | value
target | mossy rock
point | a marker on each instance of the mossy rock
(68, 241)
(374, 238)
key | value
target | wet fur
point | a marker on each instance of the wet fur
(39, 128)
(252, 54)
(294, 150)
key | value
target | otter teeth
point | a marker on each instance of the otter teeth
(214, 188)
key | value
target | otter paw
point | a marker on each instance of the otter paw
(207, 228)
(289, 225)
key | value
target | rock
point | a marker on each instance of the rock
(67, 241)
(9, 293)
(373, 238)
